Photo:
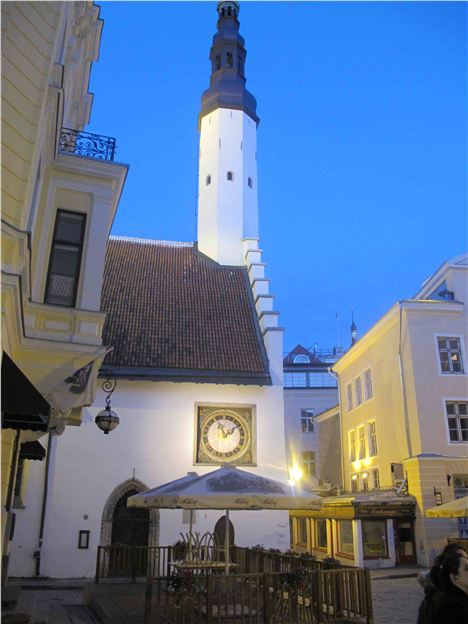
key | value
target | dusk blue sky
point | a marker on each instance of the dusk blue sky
(362, 143)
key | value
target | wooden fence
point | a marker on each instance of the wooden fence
(131, 562)
(251, 560)
(311, 597)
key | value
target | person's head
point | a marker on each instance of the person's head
(451, 568)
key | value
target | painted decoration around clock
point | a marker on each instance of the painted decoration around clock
(224, 434)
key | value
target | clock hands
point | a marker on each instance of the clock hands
(227, 433)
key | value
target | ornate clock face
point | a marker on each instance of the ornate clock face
(224, 435)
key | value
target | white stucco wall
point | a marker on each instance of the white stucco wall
(154, 442)
(227, 209)
(295, 400)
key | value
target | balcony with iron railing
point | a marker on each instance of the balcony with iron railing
(86, 144)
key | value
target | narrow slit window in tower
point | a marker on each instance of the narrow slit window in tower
(249, 182)
(230, 175)
(208, 180)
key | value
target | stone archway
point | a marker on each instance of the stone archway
(109, 508)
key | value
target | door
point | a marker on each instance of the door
(129, 528)
(219, 533)
(405, 546)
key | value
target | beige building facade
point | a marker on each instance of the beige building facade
(403, 390)
(60, 191)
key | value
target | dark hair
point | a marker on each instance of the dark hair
(447, 563)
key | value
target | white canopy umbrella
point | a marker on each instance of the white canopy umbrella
(457, 508)
(226, 488)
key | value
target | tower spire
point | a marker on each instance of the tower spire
(354, 331)
(227, 56)
(227, 169)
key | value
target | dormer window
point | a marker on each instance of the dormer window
(301, 358)
(65, 259)
(230, 175)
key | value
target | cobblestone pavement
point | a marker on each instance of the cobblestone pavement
(52, 606)
(396, 600)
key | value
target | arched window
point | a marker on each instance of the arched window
(302, 359)
(230, 175)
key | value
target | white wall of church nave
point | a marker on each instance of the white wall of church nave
(227, 209)
(154, 441)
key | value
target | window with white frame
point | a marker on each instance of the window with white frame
(358, 391)
(368, 390)
(308, 463)
(307, 420)
(372, 438)
(457, 420)
(65, 258)
(362, 442)
(352, 446)
(349, 397)
(375, 478)
(450, 355)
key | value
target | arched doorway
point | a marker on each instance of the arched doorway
(122, 490)
(220, 533)
(129, 525)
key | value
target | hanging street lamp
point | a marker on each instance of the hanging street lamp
(107, 420)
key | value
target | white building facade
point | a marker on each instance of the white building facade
(195, 338)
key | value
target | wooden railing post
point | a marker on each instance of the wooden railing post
(209, 599)
(133, 559)
(148, 599)
(318, 602)
(370, 609)
(266, 599)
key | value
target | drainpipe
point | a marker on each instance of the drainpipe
(37, 553)
(403, 384)
(337, 377)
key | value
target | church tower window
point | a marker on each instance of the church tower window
(230, 175)
(208, 180)
(229, 59)
(250, 183)
(217, 62)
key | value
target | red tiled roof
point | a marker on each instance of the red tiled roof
(174, 312)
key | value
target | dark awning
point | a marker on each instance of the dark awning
(23, 407)
(32, 450)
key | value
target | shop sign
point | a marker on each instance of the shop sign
(387, 512)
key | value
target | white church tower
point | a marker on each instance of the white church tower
(227, 187)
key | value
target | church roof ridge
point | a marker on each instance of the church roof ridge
(150, 241)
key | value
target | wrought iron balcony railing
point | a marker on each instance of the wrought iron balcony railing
(86, 144)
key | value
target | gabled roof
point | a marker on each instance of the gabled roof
(173, 313)
(300, 350)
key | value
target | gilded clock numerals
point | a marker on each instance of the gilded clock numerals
(224, 435)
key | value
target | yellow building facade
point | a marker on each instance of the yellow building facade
(60, 191)
(403, 392)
